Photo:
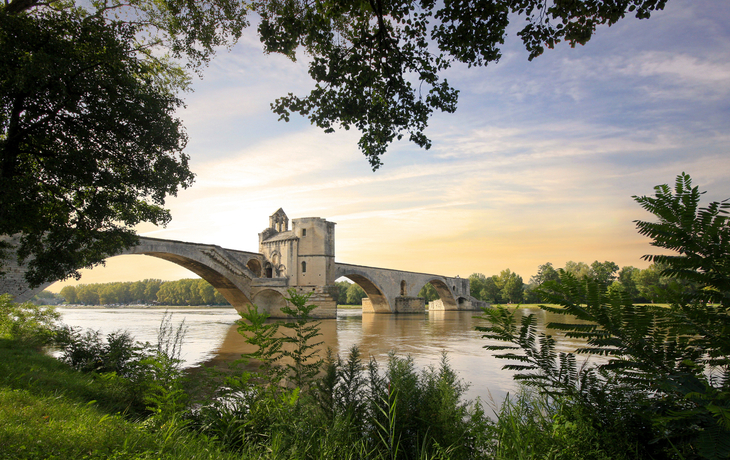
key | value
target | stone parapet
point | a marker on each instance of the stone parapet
(270, 282)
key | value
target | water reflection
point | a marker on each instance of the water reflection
(213, 339)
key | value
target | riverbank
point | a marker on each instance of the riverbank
(48, 410)
(169, 307)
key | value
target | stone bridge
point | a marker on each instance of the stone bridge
(395, 291)
(302, 259)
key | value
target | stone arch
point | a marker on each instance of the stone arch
(445, 293)
(376, 294)
(270, 301)
(275, 258)
(268, 270)
(223, 270)
(255, 266)
(225, 286)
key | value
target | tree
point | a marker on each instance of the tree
(377, 63)
(69, 294)
(108, 294)
(355, 294)
(206, 292)
(545, 272)
(136, 291)
(476, 284)
(89, 144)
(651, 284)
(151, 289)
(87, 294)
(512, 286)
(429, 293)
(580, 270)
(492, 290)
(604, 272)
(627, 278)
(339, 292)
(699, 236)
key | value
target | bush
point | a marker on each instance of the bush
(151, 374)
(27, 324)
(337, 408)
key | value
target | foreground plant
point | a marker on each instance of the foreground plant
(291, 354)
(667, 376)
(151, 375)
(27, 324)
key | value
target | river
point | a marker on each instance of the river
(212, 338)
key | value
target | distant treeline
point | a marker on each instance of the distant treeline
(181, 292)
(151, 291)
(646, 285)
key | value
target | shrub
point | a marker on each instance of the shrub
(27, 324)
(151, 374)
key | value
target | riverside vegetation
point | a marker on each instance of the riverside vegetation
(661, 393)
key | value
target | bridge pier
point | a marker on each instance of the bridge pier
(269, 295)
(402, 304)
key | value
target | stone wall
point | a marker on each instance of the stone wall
(13, 282)
(470, 304)
(410, 305)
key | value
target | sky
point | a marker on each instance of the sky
(538, 164)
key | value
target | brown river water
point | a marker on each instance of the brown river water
(212, 338)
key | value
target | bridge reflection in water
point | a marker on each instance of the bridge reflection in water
(424, 337)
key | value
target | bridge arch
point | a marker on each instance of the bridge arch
(445, 294)
(225, 286)
(255, 266)
(376, 294)
(271, 299)
(227, 271)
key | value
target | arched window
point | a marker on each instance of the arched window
(403, 288)
(269, 271)
(304, 267)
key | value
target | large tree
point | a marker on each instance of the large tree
(89, 142)
(377, 63)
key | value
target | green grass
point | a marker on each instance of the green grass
(50, 411)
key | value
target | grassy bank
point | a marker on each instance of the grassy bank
(50, 411)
